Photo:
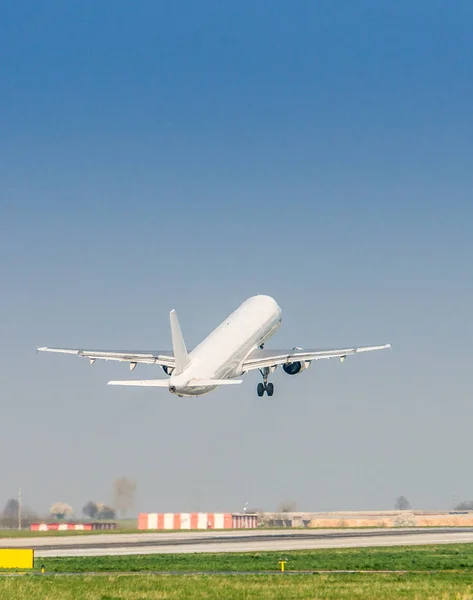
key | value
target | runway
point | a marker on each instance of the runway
(233, 541)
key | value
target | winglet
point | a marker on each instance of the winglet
(181, 356)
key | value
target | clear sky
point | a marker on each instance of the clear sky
(159, 155)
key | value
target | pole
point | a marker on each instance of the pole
(19, 509)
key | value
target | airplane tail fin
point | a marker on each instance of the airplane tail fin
(181, 356)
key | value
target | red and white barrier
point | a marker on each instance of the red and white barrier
(72, 526)
(185, 521)
(196, 521)
(61, 526)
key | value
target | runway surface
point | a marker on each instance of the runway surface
(233, 541)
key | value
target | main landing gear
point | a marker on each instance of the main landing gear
(262, 388)
(265, 386)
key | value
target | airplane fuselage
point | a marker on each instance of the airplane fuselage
(222, 353)
(235, 347)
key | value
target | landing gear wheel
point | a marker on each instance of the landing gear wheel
(260, 389)
(270, 389)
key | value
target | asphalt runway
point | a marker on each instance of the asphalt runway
(233, 541)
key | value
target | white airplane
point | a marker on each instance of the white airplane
(233, 348)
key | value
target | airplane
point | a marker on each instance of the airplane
(236, 346)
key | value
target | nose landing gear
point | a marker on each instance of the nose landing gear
(265, 386)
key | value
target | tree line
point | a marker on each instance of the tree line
(124, 490)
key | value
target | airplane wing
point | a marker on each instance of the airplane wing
(150, 357)
(258, 359)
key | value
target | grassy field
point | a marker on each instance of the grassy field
(433, 572)
(452, 557)
(264, 587)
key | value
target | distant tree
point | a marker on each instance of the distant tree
(9, 516)
(402, 503)
(61, 510)
(91, 509)
(107, 512)
(465, 505)
(287, 506)
(124, 495)
(11, 509)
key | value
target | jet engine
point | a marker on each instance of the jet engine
(294, 368)
(168, 370)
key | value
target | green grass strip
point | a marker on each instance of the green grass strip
(444, 586)
(454, 557)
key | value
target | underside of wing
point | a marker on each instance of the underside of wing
(150, 357)
(258, 359)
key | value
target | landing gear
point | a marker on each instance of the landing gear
(265, 386)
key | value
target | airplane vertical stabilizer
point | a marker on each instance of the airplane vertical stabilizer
(181, 356)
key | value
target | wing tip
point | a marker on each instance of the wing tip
(371, 348)
(57, 350)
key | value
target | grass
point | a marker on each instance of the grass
(214, 587)
(452, 557)
(435, 572)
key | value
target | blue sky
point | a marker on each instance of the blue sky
(188, 155)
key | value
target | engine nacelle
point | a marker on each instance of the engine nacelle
(294, 368)
(168, 370)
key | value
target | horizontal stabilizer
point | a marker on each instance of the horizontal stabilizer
(206, 382)
(165, 382)
(142, 382)
(59, 350)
